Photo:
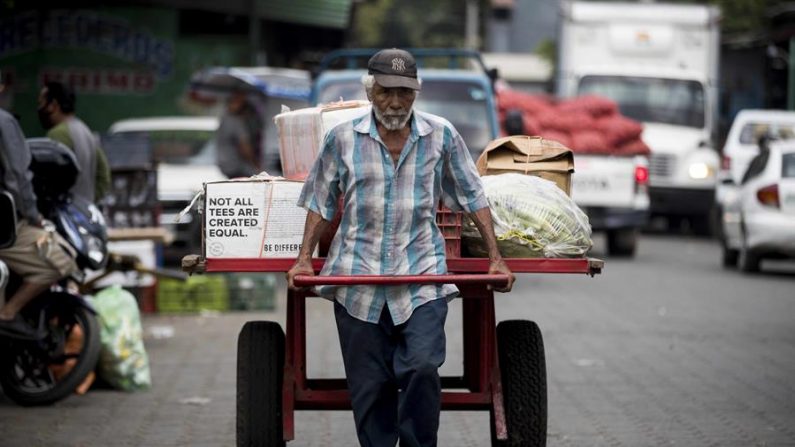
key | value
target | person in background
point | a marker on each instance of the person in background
(235, 139)
(57, 116)
(39, 254)
(391, 167)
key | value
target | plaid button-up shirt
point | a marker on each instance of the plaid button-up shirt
(388, 222)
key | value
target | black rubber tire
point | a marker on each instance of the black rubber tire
(520, 349)
(622, 242)
(729, 256)
(702, 225)
(85, 364)
(747, 260)
(260, 371)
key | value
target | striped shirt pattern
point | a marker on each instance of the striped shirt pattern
(388, 224)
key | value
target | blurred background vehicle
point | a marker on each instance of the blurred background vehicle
(455, 85)
(267, 89)
(759, 216)
(742, 145)
(659, 62)
(742, 142)
(184, 149)
(184, 153)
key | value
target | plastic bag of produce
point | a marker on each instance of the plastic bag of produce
(532, 218)
(123, 362)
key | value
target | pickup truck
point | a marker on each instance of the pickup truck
(610, 183)
(613, 192)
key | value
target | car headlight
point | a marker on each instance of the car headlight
(96, 250)
(700, 171)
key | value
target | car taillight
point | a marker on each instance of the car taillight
(641, 175)
(725, 162)
(769, 196)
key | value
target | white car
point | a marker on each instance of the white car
(758, 218)
(185, 151)
(742, 144)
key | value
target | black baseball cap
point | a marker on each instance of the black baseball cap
(394, 68)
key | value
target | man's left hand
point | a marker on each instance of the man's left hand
(500, 267)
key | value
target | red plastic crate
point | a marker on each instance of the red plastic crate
(450, 223)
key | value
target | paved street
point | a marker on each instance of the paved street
(668, 349)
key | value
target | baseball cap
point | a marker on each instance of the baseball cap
(394, 68)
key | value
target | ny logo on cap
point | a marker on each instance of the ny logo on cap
(398, 64)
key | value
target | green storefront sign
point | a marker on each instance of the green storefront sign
(122, 63)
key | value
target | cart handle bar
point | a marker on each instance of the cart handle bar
(383, 280)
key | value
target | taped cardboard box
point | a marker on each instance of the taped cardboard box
(537, 156)
(302, 131)
(253, 218)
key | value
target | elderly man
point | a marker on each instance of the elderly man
(390, 168)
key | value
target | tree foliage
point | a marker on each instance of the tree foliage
(439, 23)
(741, 16)
(411, 23)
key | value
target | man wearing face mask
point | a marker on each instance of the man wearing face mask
(390, 168)
(57, 116)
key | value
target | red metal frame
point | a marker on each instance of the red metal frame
(479, 388)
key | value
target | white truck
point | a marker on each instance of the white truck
(613, 192)
(659, 62)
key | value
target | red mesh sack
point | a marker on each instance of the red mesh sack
(532, 104)
(618, 129)
(565, 122)
(633, 147)
(595, 106)
(589, 141)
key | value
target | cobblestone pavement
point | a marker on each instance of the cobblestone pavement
(664, 350)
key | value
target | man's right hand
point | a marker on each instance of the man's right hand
(301, 267)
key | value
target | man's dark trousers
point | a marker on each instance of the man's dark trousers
(393, 375)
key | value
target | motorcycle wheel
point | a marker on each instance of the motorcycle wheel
(27, 369)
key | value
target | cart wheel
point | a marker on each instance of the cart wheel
(524, 384)
(622, 242)
(260, 370)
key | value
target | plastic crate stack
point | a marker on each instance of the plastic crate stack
(450, 223)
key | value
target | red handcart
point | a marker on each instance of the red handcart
(504, 368)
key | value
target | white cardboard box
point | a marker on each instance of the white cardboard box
(302, 131)
(253, 218)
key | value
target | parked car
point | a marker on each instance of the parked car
(758, 219)
(184, 151)
(742, 144)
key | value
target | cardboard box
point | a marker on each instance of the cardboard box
(302, 131)
(547, 159)
(253, 218)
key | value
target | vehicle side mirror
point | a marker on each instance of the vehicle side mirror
(493, 74)
(8, 220)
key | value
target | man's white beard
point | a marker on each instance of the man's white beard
(392, 121)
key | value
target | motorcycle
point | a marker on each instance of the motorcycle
(46, 368)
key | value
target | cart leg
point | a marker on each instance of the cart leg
(497, 405)
(295, 359)
(479, 336)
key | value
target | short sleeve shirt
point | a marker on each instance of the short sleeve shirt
(388, 224)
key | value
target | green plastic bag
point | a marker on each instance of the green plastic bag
(123, 362)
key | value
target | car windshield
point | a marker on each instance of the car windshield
(751, 132)
(788, 166)
(180, 147)
(656, 100)
(462, 103)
